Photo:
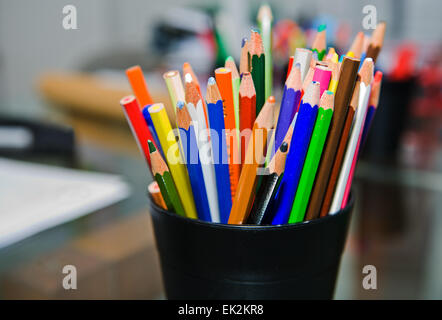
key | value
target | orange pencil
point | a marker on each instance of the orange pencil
(224, 81)
(255, 156)
(139, 86)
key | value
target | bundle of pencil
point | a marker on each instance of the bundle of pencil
(225, 166)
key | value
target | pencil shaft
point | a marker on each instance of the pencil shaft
(169, 193)
(173, 158)
(258, 76)
(295, 161)
(289, 104)
(328, 197)
(346, 84)
(192, 159)
(264, 195)
(220, 158)
(311, 165)
(347, 164)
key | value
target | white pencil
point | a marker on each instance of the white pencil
(196, 111)
(366, 74)
(303, 57)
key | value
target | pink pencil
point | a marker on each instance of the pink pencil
(322, 75)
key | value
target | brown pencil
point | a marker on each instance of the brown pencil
(376, 41)
(341, 150)
(347, 80)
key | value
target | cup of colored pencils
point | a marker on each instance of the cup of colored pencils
(248, 202)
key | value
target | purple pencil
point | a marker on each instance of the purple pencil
(289, 104)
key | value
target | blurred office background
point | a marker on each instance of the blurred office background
(70, 81)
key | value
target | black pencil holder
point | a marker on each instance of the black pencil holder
(201, 260)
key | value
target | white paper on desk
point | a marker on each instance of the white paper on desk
(36, 197)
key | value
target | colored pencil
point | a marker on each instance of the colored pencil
(313, 157)
(162, 176)
(328, 197)
(247, 107)
(191, 155)
(230, 64)
(219, 149)
(174, 86)
(224, 81)
(366, 74)
(376, 41)
(151, 127)
(187, 70)
(290, 100)
(270, 182)
(356, 46)
(322, 75)
(254, 157)
(303, 57)
(347, 79)
(137, 125)
(334, 67)
(139, 86)
(298, 149)
(372, 106)
(257, 68)
(155, 192)
(319, 43)
(173, 157)
(244, 62)
(265, 19)
(289, 67)
(195, 107)
(345, 173)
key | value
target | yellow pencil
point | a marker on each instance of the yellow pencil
(173, 157)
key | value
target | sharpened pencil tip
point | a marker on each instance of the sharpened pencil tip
(180, 105)
(284, 147)
(322, 27)
(211, 81)
(243, 42)
(151, 146)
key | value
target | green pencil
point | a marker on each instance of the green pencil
(257, 62)
(320, 42)
(162, 176)
(265, 25)
(313, 157)
(236, 81)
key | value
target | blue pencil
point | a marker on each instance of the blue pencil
(191, 155)
(302, 133)
(289, 104)
(151, 127)
(219, 149)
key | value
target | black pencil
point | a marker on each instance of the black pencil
(269, 185)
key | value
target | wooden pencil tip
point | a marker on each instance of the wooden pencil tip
(271, 99)
(265, 12)
(311, 95)
(366, 71)
(327, 100)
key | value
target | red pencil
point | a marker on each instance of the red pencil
(247, 111)
(138, 125)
